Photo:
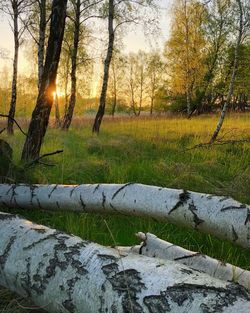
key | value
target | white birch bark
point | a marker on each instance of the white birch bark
(220, 216)
(64, 273)
(152, 246)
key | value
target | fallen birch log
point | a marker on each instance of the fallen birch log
(64, 273)
(220, 216)
(152, 246)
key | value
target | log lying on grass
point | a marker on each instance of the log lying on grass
(152, 246)
(63, 273)
(220, 216)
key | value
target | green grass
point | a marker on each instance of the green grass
(149, 151)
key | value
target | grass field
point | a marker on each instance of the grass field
(150, 151)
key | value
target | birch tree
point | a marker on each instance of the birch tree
(120, 13)
(241, 24)
(217, 28)
(82, 11)
(41, 113)
(184, 52)
(220, 216)
(155, 69)
(116, 82)
(14, 9)
(111, 31)
(64, 273)
(38, 20)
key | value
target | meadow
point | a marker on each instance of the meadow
(154, 151)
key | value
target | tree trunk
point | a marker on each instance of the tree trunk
(216, 215)
(41, 40)
(41, 113)
(101, 109)
(188, 93)
(64, 273)
(66, 86)
(235, 67)
(6, 154)
(12, 109)
(151, 104)
(154, 247)
(57, 112)
(114, 91)
(70, 110)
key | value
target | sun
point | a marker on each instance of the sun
(57, 93)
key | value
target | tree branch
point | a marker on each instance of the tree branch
(7, 116)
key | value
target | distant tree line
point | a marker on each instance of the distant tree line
(205, 65)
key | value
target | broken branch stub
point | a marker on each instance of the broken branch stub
(152, 246)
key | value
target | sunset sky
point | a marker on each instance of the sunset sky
(133, 41)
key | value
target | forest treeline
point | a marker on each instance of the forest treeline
(204, 66)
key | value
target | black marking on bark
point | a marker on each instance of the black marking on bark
(196, 219)
(6, 252)
(107, 257)
(62, 257)
(58, 205)
(39, 204)
(32, 192)
(120, 189)
(13, 189)
(72, 191)
(103, 200)
(183, 198)
(126, 283)
(157, 304)
(53, 189)
(114, 308)
(114, 208)
(235, 235)
(143, 245)
(96, 188)
(188, 256)
(186, 271)
(33, 244)
(248, 217)
(68, 304)
(242, 206)
(9, 190)
(219, 297)
(82, 203)
(26, 278)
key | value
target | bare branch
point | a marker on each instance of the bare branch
(8, 116)
(37, 160)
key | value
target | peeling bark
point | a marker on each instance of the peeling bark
(152, 246)
(217, 215)
(64, 273)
